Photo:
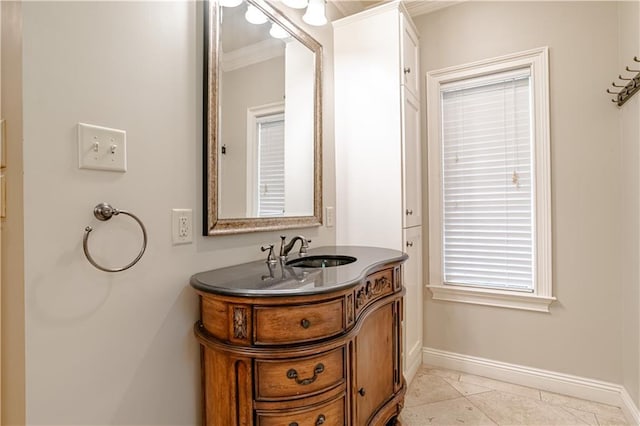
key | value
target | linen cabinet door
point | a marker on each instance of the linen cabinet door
(412, 161)
(409, 47)
(376, 369)
(413, 301)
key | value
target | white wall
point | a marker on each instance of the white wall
(582, 335)
(250, 86)
(298, 130)
(118, 348)
(629, 46)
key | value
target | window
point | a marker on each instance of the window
(489, 188)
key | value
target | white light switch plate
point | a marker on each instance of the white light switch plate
(330, 217)
(102, 148)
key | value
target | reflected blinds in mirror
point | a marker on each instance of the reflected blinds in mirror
(271, 166)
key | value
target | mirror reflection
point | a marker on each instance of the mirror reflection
(266, 118)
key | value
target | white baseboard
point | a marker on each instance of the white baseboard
(411, 369)
(578, 387)
(629, 408)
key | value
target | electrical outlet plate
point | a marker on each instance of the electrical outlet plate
(182, 226)
(3, 144)
(3, 197)
(102, 148)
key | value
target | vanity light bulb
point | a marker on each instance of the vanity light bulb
(277, 31)
(315, 14)
(255, 16)
(230, 3)
(295, 4)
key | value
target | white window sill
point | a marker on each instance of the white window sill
(488, 297)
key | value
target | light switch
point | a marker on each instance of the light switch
(330, 217)
(102, 148)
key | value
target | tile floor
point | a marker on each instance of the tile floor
(446, 397)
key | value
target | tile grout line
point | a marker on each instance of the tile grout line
(482, 411)
(574, 416)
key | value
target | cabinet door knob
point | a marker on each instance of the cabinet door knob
(305, 323)
(409, 212)
(409, 243)
(407, 70)
(320, 420)
(361, 391)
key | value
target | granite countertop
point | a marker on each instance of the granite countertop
(258, 278)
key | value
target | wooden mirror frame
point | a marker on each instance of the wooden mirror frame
(213, 224)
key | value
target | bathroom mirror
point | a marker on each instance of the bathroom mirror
(263, 124)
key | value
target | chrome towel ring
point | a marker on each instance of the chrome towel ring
(104, 212)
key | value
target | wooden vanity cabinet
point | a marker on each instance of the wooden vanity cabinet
(329, 359)
(376, 363)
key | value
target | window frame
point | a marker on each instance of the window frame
(537, 61)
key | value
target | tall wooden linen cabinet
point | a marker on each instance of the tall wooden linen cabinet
(378, 148)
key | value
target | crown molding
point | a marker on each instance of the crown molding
(421, 7)
(347, 8)
(252, 54)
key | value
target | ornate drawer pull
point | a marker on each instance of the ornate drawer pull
(409, 243)
(409, 212)
(407, 70)
(293, 374)
(305, 323)
(319, 421)
(361, 391)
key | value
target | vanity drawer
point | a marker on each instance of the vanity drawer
(275, 325)
(299, 377)
(375, 286)
(331, 413)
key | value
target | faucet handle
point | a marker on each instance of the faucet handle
(270, 256)
(304, 246)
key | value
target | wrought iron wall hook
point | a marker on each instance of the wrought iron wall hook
(630, 87)
(104, 212)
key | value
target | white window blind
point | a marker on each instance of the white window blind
(488, 220)
(271, 166)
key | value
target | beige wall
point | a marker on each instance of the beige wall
(582, 334)
(629, 46)
(118, 348)
(13, 343)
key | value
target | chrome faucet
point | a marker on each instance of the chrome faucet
(286, 248)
